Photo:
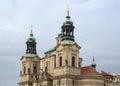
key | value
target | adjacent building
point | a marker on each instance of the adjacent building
(116, 80)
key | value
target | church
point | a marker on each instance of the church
(61, 65)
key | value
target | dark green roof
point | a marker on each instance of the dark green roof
(67, 22)
(31, 38)
(93, 63)
(64, 42)
(30, 55)
(51, 51)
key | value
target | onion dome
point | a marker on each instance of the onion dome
(31, 44)
(67, 29)
(67, 22)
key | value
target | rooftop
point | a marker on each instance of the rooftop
(89, 70)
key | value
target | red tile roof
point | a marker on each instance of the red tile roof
(106, 75)
(89, 70)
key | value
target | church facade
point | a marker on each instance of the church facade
(61, 65)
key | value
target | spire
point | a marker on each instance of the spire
(31, 30)
(31, 43)
(67, 28)
(31, 27)
(67, 10)
(93, 63)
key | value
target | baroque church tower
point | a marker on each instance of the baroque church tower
(67, 60)
(61, 65)
(30, 63)
(67, 50)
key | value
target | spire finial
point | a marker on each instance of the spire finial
(93, 58)
(93, 63)
(31, 27)
(68, 10)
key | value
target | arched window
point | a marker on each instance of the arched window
(59, 82)
(73, 83)
(28, 70)
(79, 64)
(35, 70)
(55, 62)
(30, 84)
(73, 61)
(60, 61)
(24, 70)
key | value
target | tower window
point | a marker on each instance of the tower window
(60, 61)
(79, 64)
(73, 61)
(33, 46)
(46, 63)
(24, 70)
(30, 84)
(28, 70)
(35, 70)
(55, 62)
(59, 82)
(73, 83)
(67, 32)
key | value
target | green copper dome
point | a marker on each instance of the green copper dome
(93, 63)
(67, 22)
(67, 42)
(31, 38)
(67, 29)
(31, 45)
(30, 55)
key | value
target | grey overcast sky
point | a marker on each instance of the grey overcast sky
(97, 31)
